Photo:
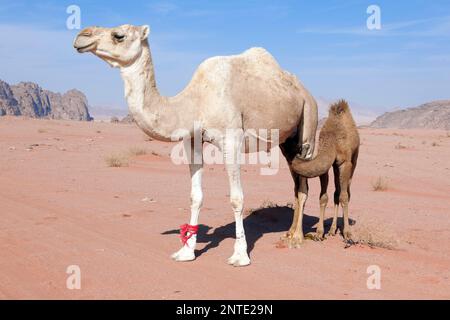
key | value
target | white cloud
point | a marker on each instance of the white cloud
(163, 7)
(433, 27)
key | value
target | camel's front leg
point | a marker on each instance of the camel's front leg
(189, 232)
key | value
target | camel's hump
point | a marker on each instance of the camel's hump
(257, 55)
(256, 51)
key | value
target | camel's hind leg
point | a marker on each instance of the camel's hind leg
(323, 199)
(323, 204)
(337, 193)
(291, 231)
(345, 172)
(231, 151)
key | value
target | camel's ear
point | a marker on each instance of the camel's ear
(145, 31)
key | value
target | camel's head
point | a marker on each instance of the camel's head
(119, 46)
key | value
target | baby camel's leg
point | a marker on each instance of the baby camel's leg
(337, 193)
(345, 172)
(323, 199)
(323, 204)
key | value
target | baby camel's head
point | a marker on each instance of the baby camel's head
(119, 46)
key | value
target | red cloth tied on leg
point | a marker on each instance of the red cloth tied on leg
(185, 229)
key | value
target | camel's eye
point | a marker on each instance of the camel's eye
(118, 37)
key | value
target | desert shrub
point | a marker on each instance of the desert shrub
(117, 161)
(399, 146)
(114, 120)
(137, 151)
(373, 233)
(380, 184)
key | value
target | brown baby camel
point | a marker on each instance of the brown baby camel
(338, 147)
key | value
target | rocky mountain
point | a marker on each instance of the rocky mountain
(432, 115)
(29, 99)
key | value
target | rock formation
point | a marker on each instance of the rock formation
(432, 115)
(29, 99)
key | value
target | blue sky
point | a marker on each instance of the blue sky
(325, 43)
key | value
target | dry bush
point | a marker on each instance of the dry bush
(117, 161)
(380, 184)
(114, 120)
(137, 151)
(399, 146)
(42, 130)
(123, 159)
(435, 144)
(373, 233)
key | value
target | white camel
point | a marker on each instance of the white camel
(245, 91)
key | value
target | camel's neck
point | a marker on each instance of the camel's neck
(151, 111)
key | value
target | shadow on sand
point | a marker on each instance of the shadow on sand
(258, 223)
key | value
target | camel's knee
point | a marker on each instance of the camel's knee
(237, 202)
(196, 199)
(323, 200)
(343, 198)
(302, 195)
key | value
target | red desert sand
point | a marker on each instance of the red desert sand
(61, 204)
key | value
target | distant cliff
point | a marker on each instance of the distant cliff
(432, 115)
(29, 99)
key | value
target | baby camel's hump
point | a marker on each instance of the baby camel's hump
(254, 84)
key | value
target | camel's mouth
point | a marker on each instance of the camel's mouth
(86, 48)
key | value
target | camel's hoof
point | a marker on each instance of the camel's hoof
(347, 235)
(315, 236)
(294, 242)
(184, 254)
(285, 238)
(349, 243)
(239, 260)
(332, 232)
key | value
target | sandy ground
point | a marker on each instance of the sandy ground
(61, 205)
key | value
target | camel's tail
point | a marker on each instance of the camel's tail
(315, 167)
(338, 114)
